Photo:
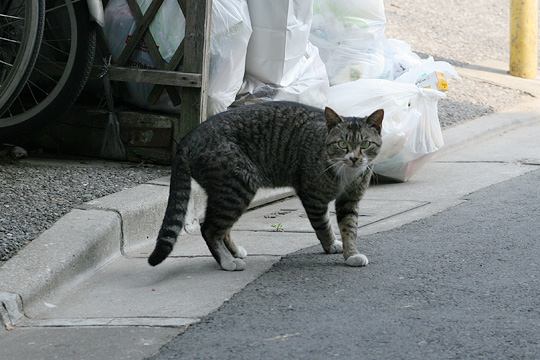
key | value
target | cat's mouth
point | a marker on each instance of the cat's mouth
(358, 164)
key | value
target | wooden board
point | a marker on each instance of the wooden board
(146, 136)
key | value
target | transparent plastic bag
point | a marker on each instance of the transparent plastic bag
(411, 130)
(231, 30)
(350, 37)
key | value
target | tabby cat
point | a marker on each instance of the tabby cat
(322, 155)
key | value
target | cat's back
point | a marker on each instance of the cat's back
(278, 141)
(272, 135)
(251, 119)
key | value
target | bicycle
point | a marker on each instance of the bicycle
(63, 51)
(21, 29)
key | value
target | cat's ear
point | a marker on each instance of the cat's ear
(332, 118)
(376, 119)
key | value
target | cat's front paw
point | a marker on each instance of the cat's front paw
(233, 265)
(335, 248)
(357, 260)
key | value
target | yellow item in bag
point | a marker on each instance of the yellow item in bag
(435, 80)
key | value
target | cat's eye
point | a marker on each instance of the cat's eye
(365, 144)
(342, 144)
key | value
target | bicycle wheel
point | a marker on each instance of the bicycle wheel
(62, 68)
(21, 29)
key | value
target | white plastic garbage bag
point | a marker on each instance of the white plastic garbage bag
(350, 37)
(231, 30)
(310, 88)
(167, 28)
(277, 48)
(411, 131)
(424, 74)
(399, 57)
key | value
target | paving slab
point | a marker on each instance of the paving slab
(289, 215)
(129, 288)
(118, 343)
(256, 243)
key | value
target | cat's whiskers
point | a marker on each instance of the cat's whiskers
(332, 166)
(342, 175)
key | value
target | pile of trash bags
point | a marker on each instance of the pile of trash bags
(317, 52)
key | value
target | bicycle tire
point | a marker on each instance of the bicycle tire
(34, 19)
(72, 81)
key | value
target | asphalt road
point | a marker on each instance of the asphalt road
(463, 284)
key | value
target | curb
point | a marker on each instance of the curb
(90, 236)
(52, 260)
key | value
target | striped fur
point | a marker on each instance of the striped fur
(321, 155)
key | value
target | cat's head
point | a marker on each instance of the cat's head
(352, 143)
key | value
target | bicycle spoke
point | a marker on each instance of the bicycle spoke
(10, 24)
(9, 40)
(59, 7)
(51, 61)
(58, 40)
(32, 93)
(5, 63)
(51, 33)
(11, 17)
(21, 103)
(37, 87)
(46, 75)
(18, 10)
(55, 48)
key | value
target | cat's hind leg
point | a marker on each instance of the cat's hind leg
(236, 251)
(226, 204)
(215, 242)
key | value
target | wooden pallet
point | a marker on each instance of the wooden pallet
(185, 76)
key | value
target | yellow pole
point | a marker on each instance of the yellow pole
(524, 38)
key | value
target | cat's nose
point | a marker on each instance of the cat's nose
(354, 159)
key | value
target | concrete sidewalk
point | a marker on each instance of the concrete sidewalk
(89, 294)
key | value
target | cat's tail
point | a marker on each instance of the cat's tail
(173, 222)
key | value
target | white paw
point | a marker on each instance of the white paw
(234, 265)
(357, 260)
(241, 252)
(335, 248)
